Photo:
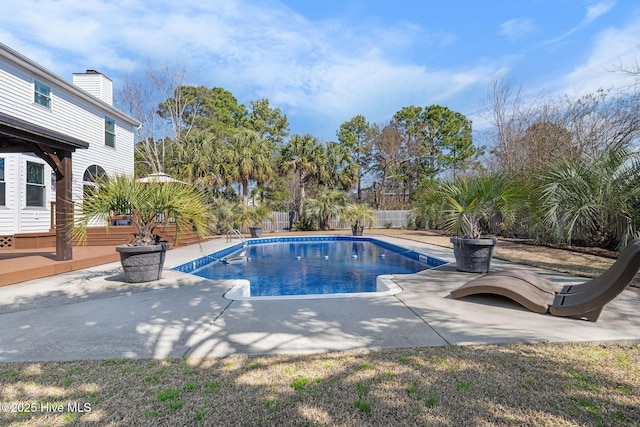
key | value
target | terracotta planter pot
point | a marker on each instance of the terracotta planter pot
(473, 255)
(142, 263)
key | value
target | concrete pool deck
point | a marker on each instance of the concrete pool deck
(93, 314)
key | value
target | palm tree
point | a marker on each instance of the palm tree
(224, 212)
(201, 158)
(251, 156)
(303, 156)
(325, 206)
(122, 193)
(464, 204)
(429, 209)
(469, 202)
(589, 199)
(340, 171)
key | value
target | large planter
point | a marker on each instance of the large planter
(473, 255)
(357, 231)
(142, 263)
(256, 232)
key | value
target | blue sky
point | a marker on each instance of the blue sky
(323, 62)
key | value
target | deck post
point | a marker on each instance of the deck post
(64, 208)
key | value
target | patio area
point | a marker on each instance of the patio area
(93, 314)
(19, 265)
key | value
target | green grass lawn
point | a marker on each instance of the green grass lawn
(543, 384)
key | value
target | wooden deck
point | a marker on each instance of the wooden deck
(19, 265)
(33, 255)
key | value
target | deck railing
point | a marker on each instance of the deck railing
(52, 221)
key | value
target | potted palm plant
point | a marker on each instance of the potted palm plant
(359, 216)
(252, 217)
(146, 203)
(468, 203)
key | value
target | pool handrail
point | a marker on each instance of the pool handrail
(236, 232)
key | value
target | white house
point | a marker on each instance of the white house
(80, 114)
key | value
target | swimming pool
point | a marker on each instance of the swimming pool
(318, 266)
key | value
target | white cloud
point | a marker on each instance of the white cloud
(612, 48)
(331, 69)
(517, 28)
(597, 10)
(592, 14)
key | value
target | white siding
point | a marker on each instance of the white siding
(68, 115)
(31, 218)
(73, 113)
(26, 219)
(9, 214)
(16, 88)
(114, 160)
(96, 84)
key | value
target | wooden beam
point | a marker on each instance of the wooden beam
(64, 209)
(51, 158)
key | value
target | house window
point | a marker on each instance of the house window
(2, 184)
(109, 132)
(92, 176)
(42, 94)
(35, 184)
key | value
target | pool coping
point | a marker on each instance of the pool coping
(241, 291)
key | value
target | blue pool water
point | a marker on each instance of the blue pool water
(309, 266)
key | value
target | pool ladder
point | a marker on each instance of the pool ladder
(234, 232)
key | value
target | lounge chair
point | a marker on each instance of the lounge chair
(583, 301)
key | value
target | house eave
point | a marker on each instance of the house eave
(45, 74)
(15, 132)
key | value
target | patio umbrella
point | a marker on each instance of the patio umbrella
(159, 177)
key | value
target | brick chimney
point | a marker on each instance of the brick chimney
(96, 83)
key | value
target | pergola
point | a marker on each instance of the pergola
(19, 136)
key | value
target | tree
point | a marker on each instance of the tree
(545, 142)
(303, 156)
(327, 205)
(123, 193)
(251, 156)
(440, 139)
(389, 151)
(507, 107)
(215, 110)
(339, 169)
(269, 122)
(202, 159)
(355, 135)
(590, 200)
(529, 135)
(631, 70)
(224, 213)
(140, 97)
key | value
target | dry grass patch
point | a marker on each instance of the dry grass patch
(563, 260)
(552, 384)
